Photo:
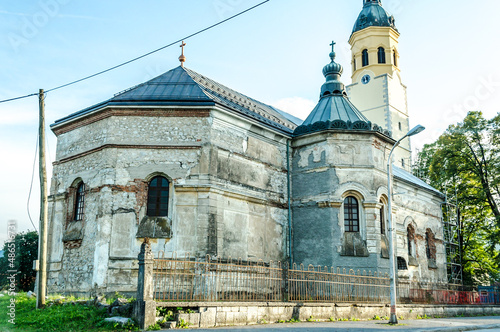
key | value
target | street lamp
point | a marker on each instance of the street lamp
(392, 266)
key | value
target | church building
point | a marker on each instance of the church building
(202, 169)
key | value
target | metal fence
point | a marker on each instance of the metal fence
(188, 279)
(320, 284)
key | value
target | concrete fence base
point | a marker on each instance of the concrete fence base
(208, 315)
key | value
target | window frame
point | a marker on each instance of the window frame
(351, 215)
(79, 203)
(365, 60)
(161, 205)
(410, 230)
(381, 55)
(383, 219)
(428, 251)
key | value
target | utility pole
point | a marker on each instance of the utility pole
(42, 237)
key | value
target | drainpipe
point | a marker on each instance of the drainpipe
(289, 203)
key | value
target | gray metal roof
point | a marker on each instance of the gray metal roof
(334, 110)
(373, 14)
(408, 177)
(184, 87)
(335, 107)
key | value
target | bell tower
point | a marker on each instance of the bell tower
(376, 89)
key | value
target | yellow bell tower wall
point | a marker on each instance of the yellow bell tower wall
(376, 89)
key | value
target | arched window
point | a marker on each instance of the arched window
(354, 63)
(79, 202)
(382, 219)
(410, 237)
(428, 249)
(402, 264)
(395, 58)
(364, 57)
(351, 214)
(158, 197)
(381, 55)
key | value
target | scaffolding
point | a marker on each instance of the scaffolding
(452, 231)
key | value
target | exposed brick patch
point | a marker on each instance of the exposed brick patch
(139, 187)
(72, 244)
(430, 245)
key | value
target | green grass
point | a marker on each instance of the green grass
(56, 318)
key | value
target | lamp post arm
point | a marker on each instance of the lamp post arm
(394, 148)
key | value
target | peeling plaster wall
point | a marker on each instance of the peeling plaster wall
(423, 210)
(227, 199)
(329, 166)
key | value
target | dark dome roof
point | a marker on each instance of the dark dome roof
(334, 110)
(373, 15)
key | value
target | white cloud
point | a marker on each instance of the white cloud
(297, 106)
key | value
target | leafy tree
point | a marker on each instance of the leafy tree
(26, 251)
(465, 161)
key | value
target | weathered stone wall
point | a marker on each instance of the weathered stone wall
(327, 167)
(422, 210)
(227, 197)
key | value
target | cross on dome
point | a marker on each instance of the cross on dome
(332, 54)
(182, 58)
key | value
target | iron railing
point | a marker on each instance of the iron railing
(188, 279)
(220, 280)
(320, 284)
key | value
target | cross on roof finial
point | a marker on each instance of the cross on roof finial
(182, 58)
(332, 45)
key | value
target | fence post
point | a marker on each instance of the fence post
(285, 289)
(145, 306)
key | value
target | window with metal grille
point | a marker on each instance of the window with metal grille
(79, 202)
(351, 214)
(381, 55)
(402, 264)
(364, 58)
(158, 197)
(382, 220)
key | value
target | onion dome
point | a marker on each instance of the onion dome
(332, 73)
(334, 110)
(373, 14)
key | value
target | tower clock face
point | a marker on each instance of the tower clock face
(366, 79)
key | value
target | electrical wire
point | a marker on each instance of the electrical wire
(22, 97)
(159, 49)
(142, 56)
(31, 185)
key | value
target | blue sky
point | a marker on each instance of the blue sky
(274, 54)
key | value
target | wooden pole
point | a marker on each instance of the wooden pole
(42, 237)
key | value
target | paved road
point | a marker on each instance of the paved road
(488, 324)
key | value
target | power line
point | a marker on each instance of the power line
(159, 49)
(142, 56)
(22, 97)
